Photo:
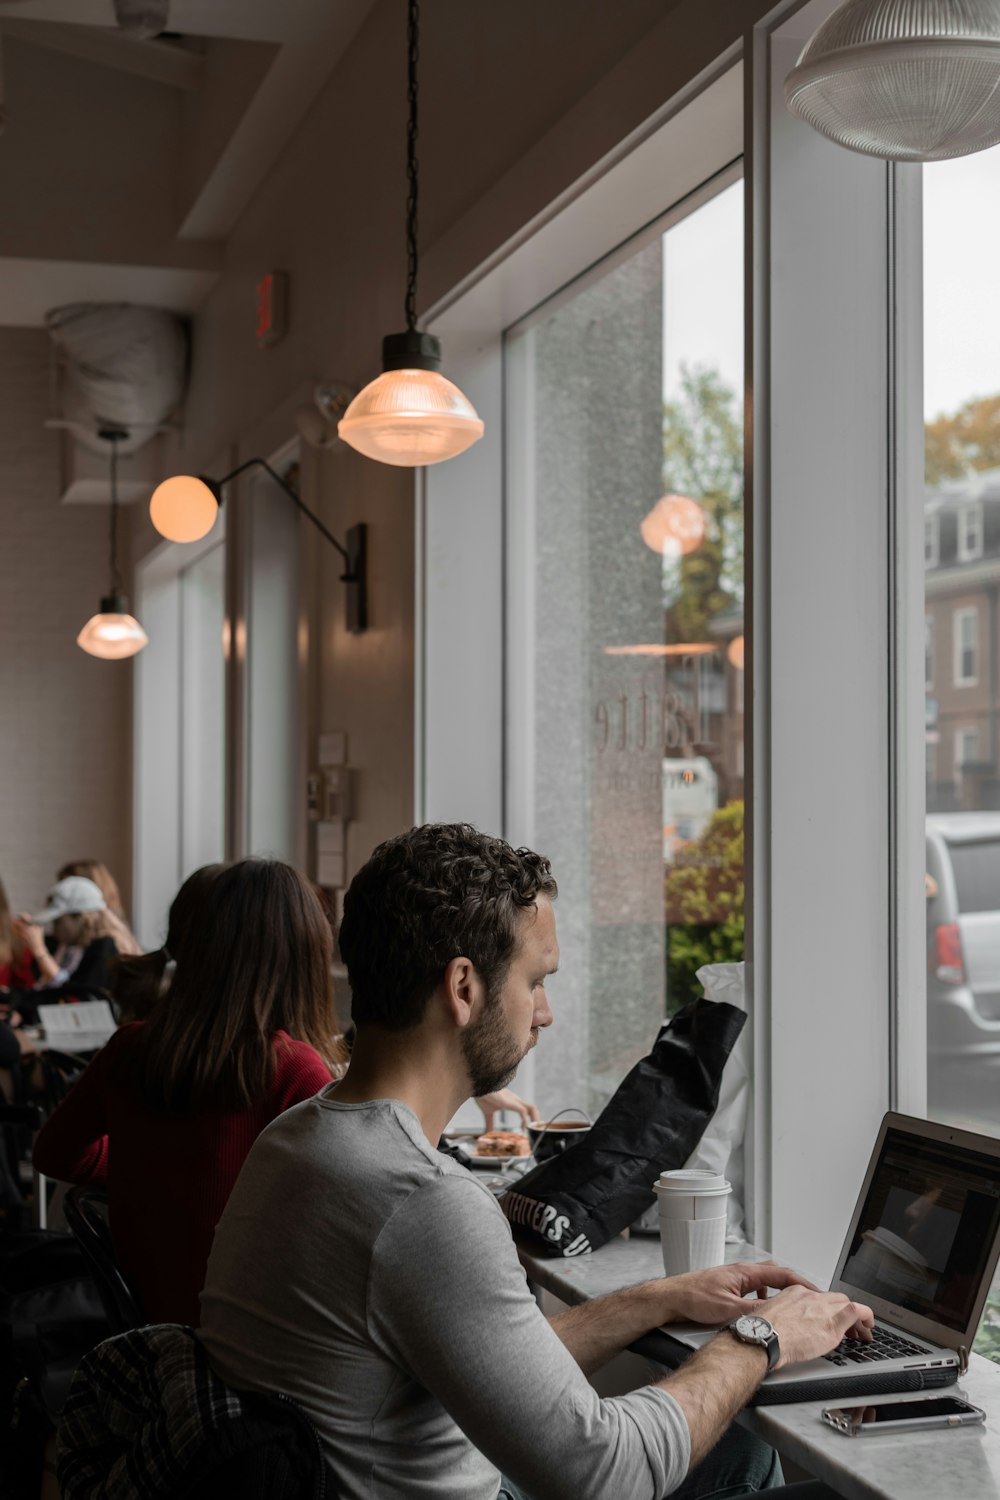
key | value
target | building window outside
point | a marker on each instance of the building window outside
(929, 653)
(631, 450)
(970, 532)
(966, 749)
(966, 637)
(932, 541)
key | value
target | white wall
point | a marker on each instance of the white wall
(64, 716)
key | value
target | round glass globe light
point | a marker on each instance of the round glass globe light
(410, 418)
(183, 508)
(674, 527)
(112, 636)
(736, 651)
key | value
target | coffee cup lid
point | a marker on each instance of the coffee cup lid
(692, 1180)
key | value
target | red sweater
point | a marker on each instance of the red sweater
(168, 1175)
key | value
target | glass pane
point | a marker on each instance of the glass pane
(962, 574)
(626, 501)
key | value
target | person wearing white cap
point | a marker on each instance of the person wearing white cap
(83, 943)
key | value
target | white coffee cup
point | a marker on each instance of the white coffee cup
(692, 1207)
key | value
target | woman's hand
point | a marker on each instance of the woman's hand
(720, 1294)
(34, 936)
(492, 1104)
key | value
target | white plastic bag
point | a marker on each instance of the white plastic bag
(721, 1147)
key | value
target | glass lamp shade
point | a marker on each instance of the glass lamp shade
(183, 508)
(674, 527)
(410, 417)
(736, 651)
(112, 633)
(908, 80)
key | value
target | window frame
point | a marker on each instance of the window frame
(929, 662)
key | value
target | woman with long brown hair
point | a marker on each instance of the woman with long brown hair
(167, 1112)
(139, 981)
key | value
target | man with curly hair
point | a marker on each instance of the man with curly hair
(375, 1281)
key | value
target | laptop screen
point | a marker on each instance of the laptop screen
(926, 1228)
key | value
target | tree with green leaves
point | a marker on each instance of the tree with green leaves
(703, 458)
(964, 442)
(704, 890)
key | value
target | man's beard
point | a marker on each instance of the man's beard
(491, 1051)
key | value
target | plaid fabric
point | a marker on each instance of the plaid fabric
(143, 1410)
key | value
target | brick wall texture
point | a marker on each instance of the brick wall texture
(65, 756)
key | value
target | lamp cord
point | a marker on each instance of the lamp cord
(116, 577)
(412, 57)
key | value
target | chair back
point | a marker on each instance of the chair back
(147, 1415)
(87, 1216)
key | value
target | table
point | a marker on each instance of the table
(915, 1466)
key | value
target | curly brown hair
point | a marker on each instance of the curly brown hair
(439, 892)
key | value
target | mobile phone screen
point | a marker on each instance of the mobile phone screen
(903, 1411)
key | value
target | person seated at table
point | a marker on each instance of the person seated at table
(138, 982)
(75, 961)
(97, 871)
(374, 1281)
(165, 1114)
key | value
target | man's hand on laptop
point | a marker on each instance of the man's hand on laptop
(717, 1296)
(809, 1323)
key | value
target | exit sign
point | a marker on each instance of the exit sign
(272, 308)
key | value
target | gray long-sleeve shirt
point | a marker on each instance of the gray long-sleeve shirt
(375, 1282)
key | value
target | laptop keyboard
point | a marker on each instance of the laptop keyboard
(886, 1344)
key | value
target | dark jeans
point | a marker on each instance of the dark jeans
(739, 1465)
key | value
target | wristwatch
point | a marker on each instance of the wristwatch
(753, 1329)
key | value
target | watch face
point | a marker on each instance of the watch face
(754, 1327)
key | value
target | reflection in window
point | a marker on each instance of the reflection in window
(627, 451)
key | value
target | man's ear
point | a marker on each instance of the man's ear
(461, 990)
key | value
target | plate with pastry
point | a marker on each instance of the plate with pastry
(494, 1147)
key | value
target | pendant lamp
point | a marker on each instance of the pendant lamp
(411, 415)
(113, 633)
(910, 80)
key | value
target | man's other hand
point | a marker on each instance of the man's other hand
(717, 1295)
(810, 1323)
(492, 1104)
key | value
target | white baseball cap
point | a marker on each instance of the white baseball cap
(74, 894)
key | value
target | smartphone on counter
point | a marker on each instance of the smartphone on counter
(904, 1416)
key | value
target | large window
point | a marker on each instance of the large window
(625, 492)
(962, 453)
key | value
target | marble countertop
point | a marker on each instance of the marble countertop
(914, 1466)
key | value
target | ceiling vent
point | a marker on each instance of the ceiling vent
(120, 366)
(142, 18)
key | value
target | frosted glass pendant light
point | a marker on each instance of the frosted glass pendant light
(113, 632)
(910, 80)
(411, 414)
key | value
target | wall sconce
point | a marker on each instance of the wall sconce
(184, 507)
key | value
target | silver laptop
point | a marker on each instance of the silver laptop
(920, 1250)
